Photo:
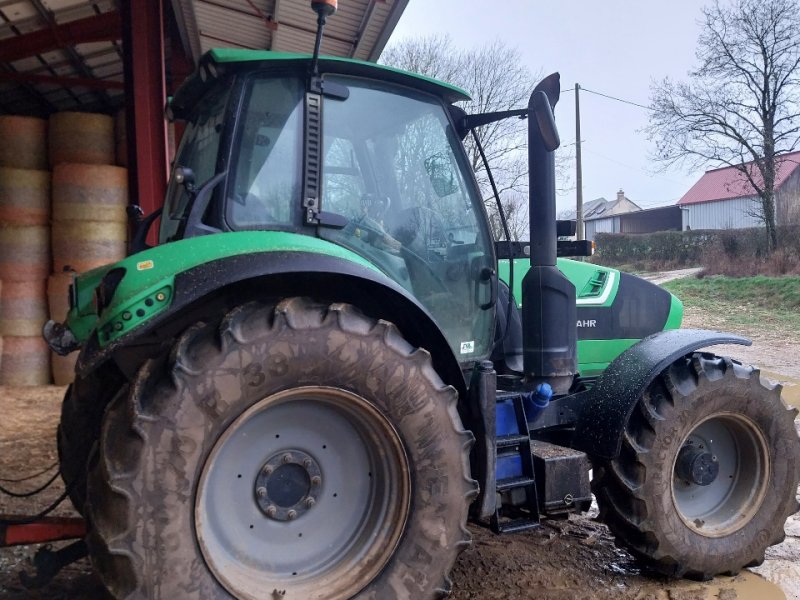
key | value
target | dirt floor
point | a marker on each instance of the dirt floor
(571, 560)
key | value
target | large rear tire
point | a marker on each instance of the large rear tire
(82, 411)
(708, 470)
(304, 451)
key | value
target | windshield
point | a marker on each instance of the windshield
(394, 167)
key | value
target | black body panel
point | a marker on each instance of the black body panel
(639, 309)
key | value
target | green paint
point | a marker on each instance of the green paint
(152, 271)
(675, 317)
(594, 356)
(581, 275)
(236, 55)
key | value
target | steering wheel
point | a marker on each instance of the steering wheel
(418, 227)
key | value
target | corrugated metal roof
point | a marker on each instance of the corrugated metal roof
(359, 29)
(729, 182)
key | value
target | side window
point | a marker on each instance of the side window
(266, 189)
(199, 151)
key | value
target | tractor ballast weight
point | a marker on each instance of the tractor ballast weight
(311, 371)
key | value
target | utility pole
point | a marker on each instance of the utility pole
(579, 173)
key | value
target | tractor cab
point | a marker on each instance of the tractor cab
(394, 184)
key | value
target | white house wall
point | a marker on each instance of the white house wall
(736, 213)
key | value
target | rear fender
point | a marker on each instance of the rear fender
(208, 290)
(608, 405)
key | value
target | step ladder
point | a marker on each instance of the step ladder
(511, 444)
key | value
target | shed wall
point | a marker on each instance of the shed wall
(723, 214)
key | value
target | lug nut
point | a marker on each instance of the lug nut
(271, 510)
(316, 480)
(261, 492)
(291, 514)
(310, 502)
(287, 458)
(307, 463)
(267, 469)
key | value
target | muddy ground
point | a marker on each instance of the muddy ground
(570, 560)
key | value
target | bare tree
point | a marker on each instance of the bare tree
(497, 78)
(741, 106)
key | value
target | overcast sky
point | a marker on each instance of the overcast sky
(615, 47)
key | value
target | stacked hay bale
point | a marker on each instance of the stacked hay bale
(24, 250)
(90, 196)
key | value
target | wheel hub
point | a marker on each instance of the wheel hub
(287, 485)
(697, 466)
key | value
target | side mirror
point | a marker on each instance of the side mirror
(545, 120)
(440, 172)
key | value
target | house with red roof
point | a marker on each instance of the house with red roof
(725, 199)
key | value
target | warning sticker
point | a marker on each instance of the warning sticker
(467, 347)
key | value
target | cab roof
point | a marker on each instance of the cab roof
(222, 60)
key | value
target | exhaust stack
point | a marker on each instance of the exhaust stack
(549, 314)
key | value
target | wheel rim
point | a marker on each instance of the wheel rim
(734, 494)
(322, 443)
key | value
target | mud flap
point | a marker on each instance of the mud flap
(609, 404)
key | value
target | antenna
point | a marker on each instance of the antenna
(324, 9)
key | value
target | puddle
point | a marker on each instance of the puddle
(791, 387)
(745, 586)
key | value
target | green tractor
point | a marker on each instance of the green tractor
(327, 365)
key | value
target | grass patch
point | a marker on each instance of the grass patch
(763, 302)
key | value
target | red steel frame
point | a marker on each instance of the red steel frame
(145, 91)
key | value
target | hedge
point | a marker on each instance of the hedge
(688, 248)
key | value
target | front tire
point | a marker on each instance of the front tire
(708, 470)
(304, 450)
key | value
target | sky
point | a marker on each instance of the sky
(615, 47)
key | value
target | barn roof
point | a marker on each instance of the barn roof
(727, 183)
(67, 54)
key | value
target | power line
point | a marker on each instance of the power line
(617, 99)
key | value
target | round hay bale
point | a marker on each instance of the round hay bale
(58, 295)
(82, 246)
(63, 367)
(25, 361)
(24, 252)
(121, 138)
(24, 142)
(24, 196)
(90, 193)
(23, 308)
(75, 137)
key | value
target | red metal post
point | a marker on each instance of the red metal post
(145, 97)
(46, 529)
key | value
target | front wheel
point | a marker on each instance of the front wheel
(708, 470)
(305, 451)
